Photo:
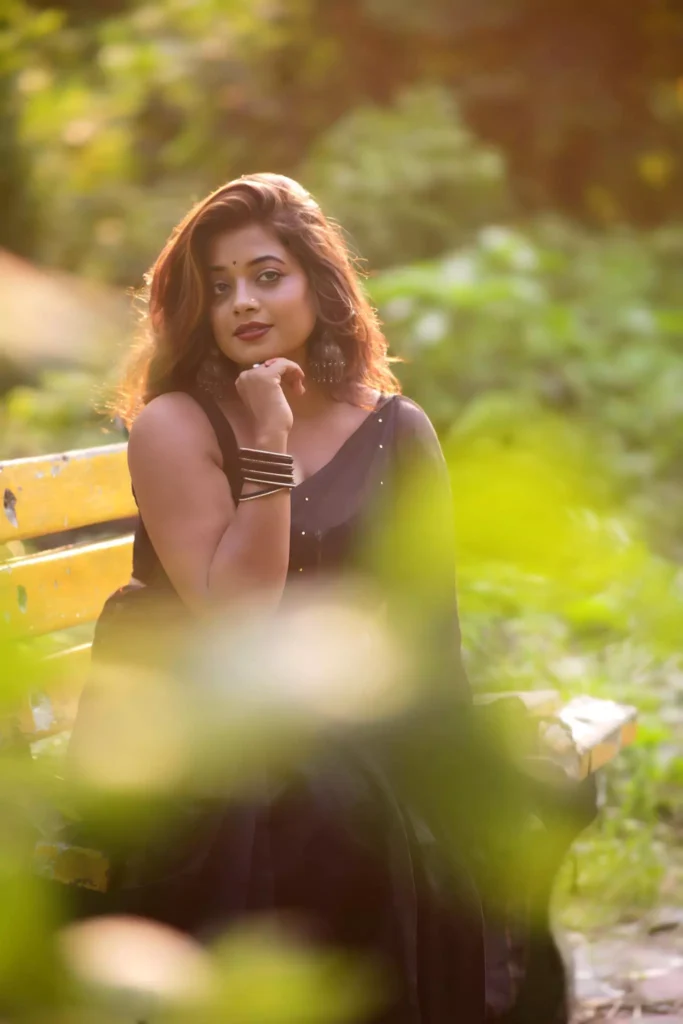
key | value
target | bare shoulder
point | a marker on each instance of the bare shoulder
(171, 425)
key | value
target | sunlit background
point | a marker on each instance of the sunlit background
(511, 173)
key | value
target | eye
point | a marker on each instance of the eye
(269, 276)
(220, 287)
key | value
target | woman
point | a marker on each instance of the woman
(267, 430)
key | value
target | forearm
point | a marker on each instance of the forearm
(252, 557)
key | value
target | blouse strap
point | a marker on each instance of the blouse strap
(225, 436)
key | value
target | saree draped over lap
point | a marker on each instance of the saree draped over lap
(307, 850)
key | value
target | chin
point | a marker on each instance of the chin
(255, 353)
(246, 357)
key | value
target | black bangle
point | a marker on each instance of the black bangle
(261, 467)
(261, 455)
(248, 463)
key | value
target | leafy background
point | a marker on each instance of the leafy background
(511, 172)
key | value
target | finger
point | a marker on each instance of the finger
(292, 370)
(292, 384)
(280, 369)
(282, 365)
(286, 371)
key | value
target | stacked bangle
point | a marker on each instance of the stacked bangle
(261, 494)
(270, 468)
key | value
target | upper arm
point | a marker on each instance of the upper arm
(183, 494)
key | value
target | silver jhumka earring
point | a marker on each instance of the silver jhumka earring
(212, 374)
(326, 360)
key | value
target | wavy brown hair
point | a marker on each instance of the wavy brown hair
(177, 337)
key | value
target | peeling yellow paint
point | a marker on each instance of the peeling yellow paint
(94, 487)
(85, 574)
(73, 865)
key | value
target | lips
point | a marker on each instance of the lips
(252, 331)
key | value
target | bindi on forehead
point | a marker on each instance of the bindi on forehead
(254, 262)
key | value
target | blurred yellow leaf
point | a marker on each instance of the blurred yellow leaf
(656, 167)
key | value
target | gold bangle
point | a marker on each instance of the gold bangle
(269, 478)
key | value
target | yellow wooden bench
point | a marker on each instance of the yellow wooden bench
(47, 593)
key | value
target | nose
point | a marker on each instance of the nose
(243, 300)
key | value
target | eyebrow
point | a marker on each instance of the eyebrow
(252, 263)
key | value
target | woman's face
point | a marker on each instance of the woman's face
(261, 301)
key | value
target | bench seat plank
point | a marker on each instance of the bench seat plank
(599, 729)
(52, 493)
(62, 588)
(538, 703)
(52, 709)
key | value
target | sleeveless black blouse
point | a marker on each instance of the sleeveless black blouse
(326, 508)
(338, 508)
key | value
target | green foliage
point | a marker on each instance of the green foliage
(57, 414)
(114, 119)
(550, 361)
(521, 324)
(547, 356)
(407, 181)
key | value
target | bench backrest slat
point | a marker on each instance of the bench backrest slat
(62, 588)
(52, 493)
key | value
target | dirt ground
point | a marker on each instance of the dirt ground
(631, 972)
